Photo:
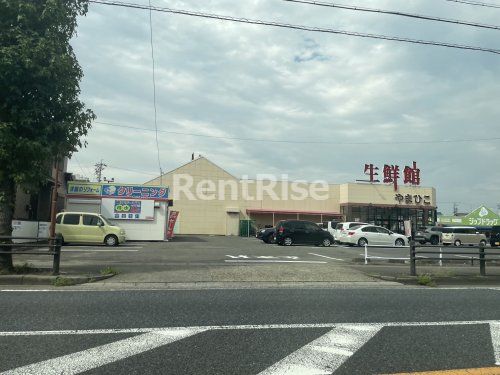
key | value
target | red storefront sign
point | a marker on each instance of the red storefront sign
(391, 174)
(171, 224)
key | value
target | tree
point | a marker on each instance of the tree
(41, 116)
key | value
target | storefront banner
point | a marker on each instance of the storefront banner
(171, 224)
(407, 225)
(481, 217)
(127, 209)
(75, 188)
(131, 191)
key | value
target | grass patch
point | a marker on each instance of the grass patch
(63, 281)
(109, 271)
(23, 268)
(426, 280)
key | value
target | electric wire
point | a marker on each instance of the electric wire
(154, 86)
(395, 13)
(464, 140)
(298, 27)
(476, 3)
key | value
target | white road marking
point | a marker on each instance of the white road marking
(324, 256)
(97, 251)
(495, 340)
(89, 359)
(325, 354)
(243, 327)
(273, 261)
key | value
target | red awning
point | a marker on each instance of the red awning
(290, 212)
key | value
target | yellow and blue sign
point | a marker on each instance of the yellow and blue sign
(157, 193)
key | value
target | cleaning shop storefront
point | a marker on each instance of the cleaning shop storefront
(141, 210)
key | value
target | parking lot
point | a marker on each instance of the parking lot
(192, 259)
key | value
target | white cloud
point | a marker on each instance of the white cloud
(233, 80)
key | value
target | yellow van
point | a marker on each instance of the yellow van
(88, 227)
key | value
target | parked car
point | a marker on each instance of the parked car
(329, 226)
(373, 235)
(495, 236)
(290, 232)
(429, 234)
(88, 227)
(266, 234)
(463, 236)
(342, 228)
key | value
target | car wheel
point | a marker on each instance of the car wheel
(482, 243)
(362, 242)
(287, 241)
(434, 240)
(457, 243)
(399, 242)
(326, 242)
(111, 240)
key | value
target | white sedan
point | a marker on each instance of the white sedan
(373, 235)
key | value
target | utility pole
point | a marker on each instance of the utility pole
(455, 208)
(99, 168)
(53, 206)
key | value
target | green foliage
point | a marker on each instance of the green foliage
(426, 280)
(109, 271)
(63, 281)
(41, 116)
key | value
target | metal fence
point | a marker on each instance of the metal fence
(481, 255)
(35, 246)
(478, 253)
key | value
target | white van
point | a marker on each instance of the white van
(329, 226)
(462, 236)
(342, 228)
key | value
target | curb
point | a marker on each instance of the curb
(446, 280)
(48, 279)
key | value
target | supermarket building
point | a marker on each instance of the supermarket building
(212, 201)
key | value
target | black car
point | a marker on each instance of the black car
(266, 235)
(291, 232)
(495, 236)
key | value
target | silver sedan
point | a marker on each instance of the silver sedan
(373, 235)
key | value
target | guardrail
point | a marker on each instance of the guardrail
(481, 255)
(368, 257)
(53, 243)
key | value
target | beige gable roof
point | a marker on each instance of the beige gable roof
(199, 167)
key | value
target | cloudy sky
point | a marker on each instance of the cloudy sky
(364, 100)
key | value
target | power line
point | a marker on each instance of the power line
(395, 13)
(296, 27)
(79, 166)
(490, 139)
(477, 3)
(154, 85)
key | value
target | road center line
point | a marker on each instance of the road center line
(324, 256)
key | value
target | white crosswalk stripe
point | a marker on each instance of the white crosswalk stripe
(323, 355)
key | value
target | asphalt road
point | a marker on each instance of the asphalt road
(270, 331)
